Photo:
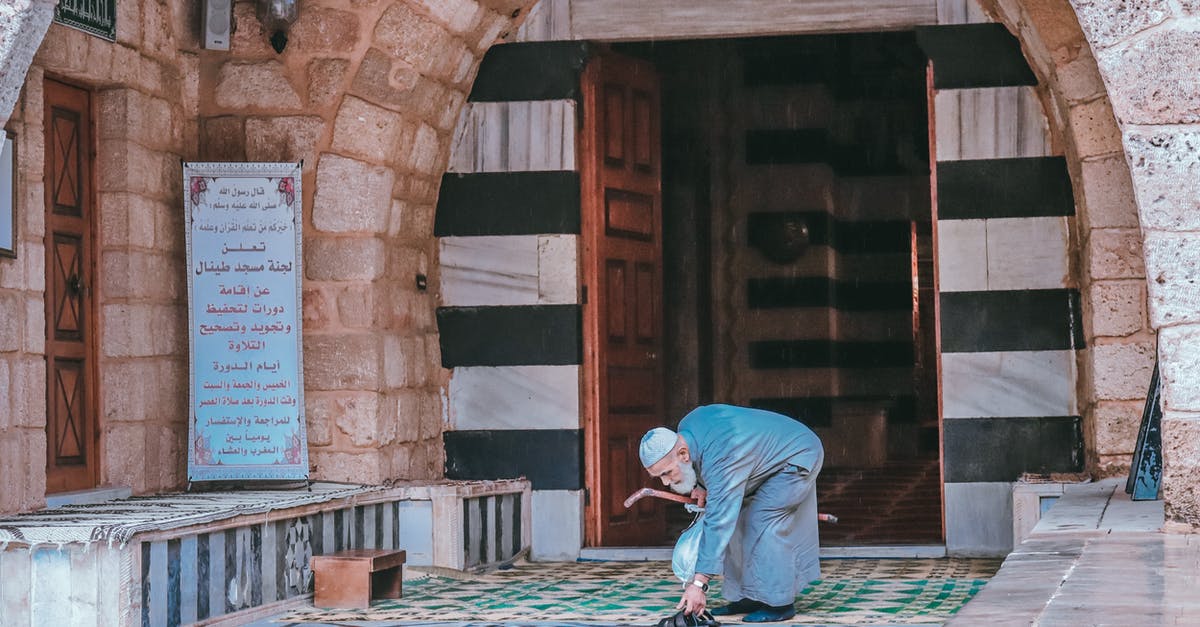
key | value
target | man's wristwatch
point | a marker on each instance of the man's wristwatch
(703, 585)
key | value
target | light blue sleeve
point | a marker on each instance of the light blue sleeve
(725, 479)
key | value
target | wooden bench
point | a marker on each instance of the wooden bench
(350, 579)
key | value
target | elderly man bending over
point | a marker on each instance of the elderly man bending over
(755, 472)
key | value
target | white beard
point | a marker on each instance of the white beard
(688, 483)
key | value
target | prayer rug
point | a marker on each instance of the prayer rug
(851, 592)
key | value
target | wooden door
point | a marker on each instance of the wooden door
(620, 178)
(71, 431)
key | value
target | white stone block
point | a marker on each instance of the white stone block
(416, 532)
(557, 525)
(518, 136)
(989, 123)
(962, 255)
(1008, 384)
(979, 519)
(490, 270)
(1027, 253)
(558, 270)
(52, 583)
(514, 397)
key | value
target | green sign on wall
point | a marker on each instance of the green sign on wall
(97, 17)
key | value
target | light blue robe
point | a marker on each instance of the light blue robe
(760, 521)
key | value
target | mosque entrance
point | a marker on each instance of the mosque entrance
(797, 262)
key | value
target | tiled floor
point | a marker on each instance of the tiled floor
(851, 592)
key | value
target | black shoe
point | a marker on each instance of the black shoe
(771, 614)
(741, 606)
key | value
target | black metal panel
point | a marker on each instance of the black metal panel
(525, 335)
(544, 70)
(508, 203)
(974, 55)
(1011, 320)
(1001, 449)
(780, 292)
(552, 459)
(778, 354)
(1004, 188)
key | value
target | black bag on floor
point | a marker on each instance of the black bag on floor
(679, 619)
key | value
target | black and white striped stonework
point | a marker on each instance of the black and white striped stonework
(508, 219)
(1010, 315)
(202, 576)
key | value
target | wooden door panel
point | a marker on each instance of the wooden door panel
(71, 429)
(622, 255)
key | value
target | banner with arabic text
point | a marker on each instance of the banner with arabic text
(244, 280)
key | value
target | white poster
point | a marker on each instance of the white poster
(244, 288)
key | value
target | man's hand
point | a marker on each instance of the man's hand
(693, 600)
(700, 495)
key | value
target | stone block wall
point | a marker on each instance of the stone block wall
(367, 94)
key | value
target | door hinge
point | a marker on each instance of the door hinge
(587, 496)
(583, 295)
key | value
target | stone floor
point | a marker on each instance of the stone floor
(1096, 558)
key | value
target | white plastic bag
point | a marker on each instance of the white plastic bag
(687, 551)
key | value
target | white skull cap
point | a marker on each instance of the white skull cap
(656, 444)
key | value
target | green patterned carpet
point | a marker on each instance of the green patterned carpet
(851, 592)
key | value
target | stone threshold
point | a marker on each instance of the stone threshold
(663, 553)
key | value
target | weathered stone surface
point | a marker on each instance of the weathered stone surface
(323, 30)
(405, 362)
(248, 39)
(130, 167)
(140, 274)
(22, 26)
(158, 36)
(144, 119)
(409, 406)
(1118, 307)
(351, 196)
(127, 330)
(1173, 274)
(325, 78)
(10, 323)
(397, 85)
(291, 138)
(1181, 466)
(320, 309)
(1172, 57)
(6, 408)
(1105, 22)
(320, 409)
(1094, 129)
(1165, 164)
(127, 388)
(256, 86)
(1117, 424)
(125, 464)
(460, 16)
(1108, 193)
(356, 306)
(344, 259)
(1079, 78)
(370, 466)
(342, 362)
(1179, 365)
(403, 308)
(1121, 371)
(404, 33)
(223, 139)
(29, 391)
(429, 153)
(361, 419)
(373, 133)
(1115, 254)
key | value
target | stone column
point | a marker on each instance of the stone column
(1146, 53)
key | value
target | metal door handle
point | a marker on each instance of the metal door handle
(75, 285)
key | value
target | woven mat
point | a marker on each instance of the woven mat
(851, 592)
(119, 520)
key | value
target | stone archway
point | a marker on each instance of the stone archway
(1095, 57)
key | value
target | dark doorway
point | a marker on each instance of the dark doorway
(797, 259)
